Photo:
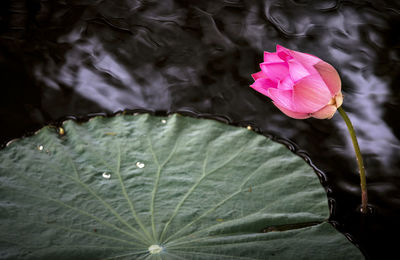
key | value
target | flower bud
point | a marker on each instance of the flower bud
(299, 84)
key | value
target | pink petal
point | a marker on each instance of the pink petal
(292, 114)
(297, 70)
(275, 71)
(330, 76)
(259, 75)
(262, 85)
(305, 58)
(286, 84)
(283, 98)
(310, 94)
(283, 53)
(271, 57)
(326, 112)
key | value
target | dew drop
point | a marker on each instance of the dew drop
(140, 165)
(164, 121)
(40, 148)
(106, 175)
(249, 127)
(155, 249)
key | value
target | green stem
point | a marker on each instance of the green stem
(363, 181)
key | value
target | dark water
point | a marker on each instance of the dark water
(77, 57)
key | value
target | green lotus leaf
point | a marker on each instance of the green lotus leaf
(148, 187)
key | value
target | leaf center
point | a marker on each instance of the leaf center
(155, 249)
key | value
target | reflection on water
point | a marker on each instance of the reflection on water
(61, 58)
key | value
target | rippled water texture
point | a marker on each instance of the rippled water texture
(75, 57)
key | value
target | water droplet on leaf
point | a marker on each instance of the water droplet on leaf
(140, 165)
(164, 121)
(106, 175)
(40, 147)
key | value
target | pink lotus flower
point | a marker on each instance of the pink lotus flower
(299, 84)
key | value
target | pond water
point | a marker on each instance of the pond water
(76, 58)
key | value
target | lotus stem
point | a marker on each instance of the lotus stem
(360, 162)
